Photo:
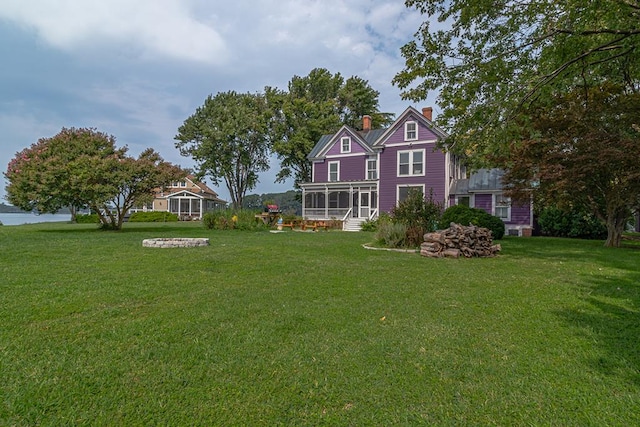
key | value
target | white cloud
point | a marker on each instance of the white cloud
(153, 27)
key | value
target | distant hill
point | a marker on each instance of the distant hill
(4, 208)
(288, 202)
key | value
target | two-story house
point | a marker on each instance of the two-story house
(356, 175)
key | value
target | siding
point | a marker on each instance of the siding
(520, 214)
(434, 174)
(351, 169)
(484, 201)
(355, 146)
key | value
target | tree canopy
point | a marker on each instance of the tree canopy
(228, 138)
(80, 168)
(578, 154)
(542, 88)
(315, 105)
(487, 59)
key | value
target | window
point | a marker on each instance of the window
(334, 171)
(502, 207)
(372, 169)
(345, 145)
(410, 131)
(411, 163)
(404, 190)
(464, 201)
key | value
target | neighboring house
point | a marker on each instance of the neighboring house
(189, 199)
(356, 175)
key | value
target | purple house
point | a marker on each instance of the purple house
(356, 175)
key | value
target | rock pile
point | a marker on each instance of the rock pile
(459, 240)
(175, 242)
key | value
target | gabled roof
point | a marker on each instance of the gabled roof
(410, 111)
(375, 137)
(327, 141)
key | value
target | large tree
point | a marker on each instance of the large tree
(54, 172)
(488, 58)
(315, 105)
(132, 182)
(80, 168)
(494, 63)
(228, 137)
(580, 154)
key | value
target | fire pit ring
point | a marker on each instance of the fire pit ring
(175, 242)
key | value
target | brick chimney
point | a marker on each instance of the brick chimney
(428, 113)
(366, 123)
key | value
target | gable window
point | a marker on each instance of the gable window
(372, 169)
(345, 144)
(410, 131)
(334, 171)
(405, 190)
(502, 207)
(411, 163)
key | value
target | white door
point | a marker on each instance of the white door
(365, 204)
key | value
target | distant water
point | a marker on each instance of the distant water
(30, 218)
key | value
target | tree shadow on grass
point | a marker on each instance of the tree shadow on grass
(611, 319)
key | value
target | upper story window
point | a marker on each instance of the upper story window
(372, 169)
(411, 163)
(502, 207)
(345, 144)
(410, 131)
(334, 171)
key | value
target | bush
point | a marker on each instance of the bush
(392, 234)
(233, 220)
(153, 217)
(464, 215)
(575, 223)
(419, 214)
(87, 219)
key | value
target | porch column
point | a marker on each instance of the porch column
(304, 206)
(326, 202)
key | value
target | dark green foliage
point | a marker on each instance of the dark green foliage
(574, 223)
(419, 214)
(153, 217)
(464, 215)
(87, 218)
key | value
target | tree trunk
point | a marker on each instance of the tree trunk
(616, 221)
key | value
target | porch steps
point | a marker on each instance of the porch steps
(353, 224)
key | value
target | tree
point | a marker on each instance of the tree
(313, 106)
(581, 153)
(133, 181)
(55, 172)
(228, 137)
(83, 168)
(492, 58)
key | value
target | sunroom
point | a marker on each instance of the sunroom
(340, 200)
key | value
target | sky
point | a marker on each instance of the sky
(137, 69)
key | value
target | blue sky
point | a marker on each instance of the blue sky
(138, 69)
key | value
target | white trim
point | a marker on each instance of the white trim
(494, 205)
(340, 156)
(412, 143)
(344, 139)
(337, 163)
(411, 163)
(406, 130)
(399, 186)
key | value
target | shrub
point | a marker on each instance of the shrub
(233, 220)
(87, 219)
(392, 234)
(153, 217)
(464, 215)
(419, 214)
(574, 223)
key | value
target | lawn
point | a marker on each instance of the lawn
(311, 329)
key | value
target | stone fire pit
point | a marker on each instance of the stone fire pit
(175, 242)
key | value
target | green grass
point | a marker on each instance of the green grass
(312, 329)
